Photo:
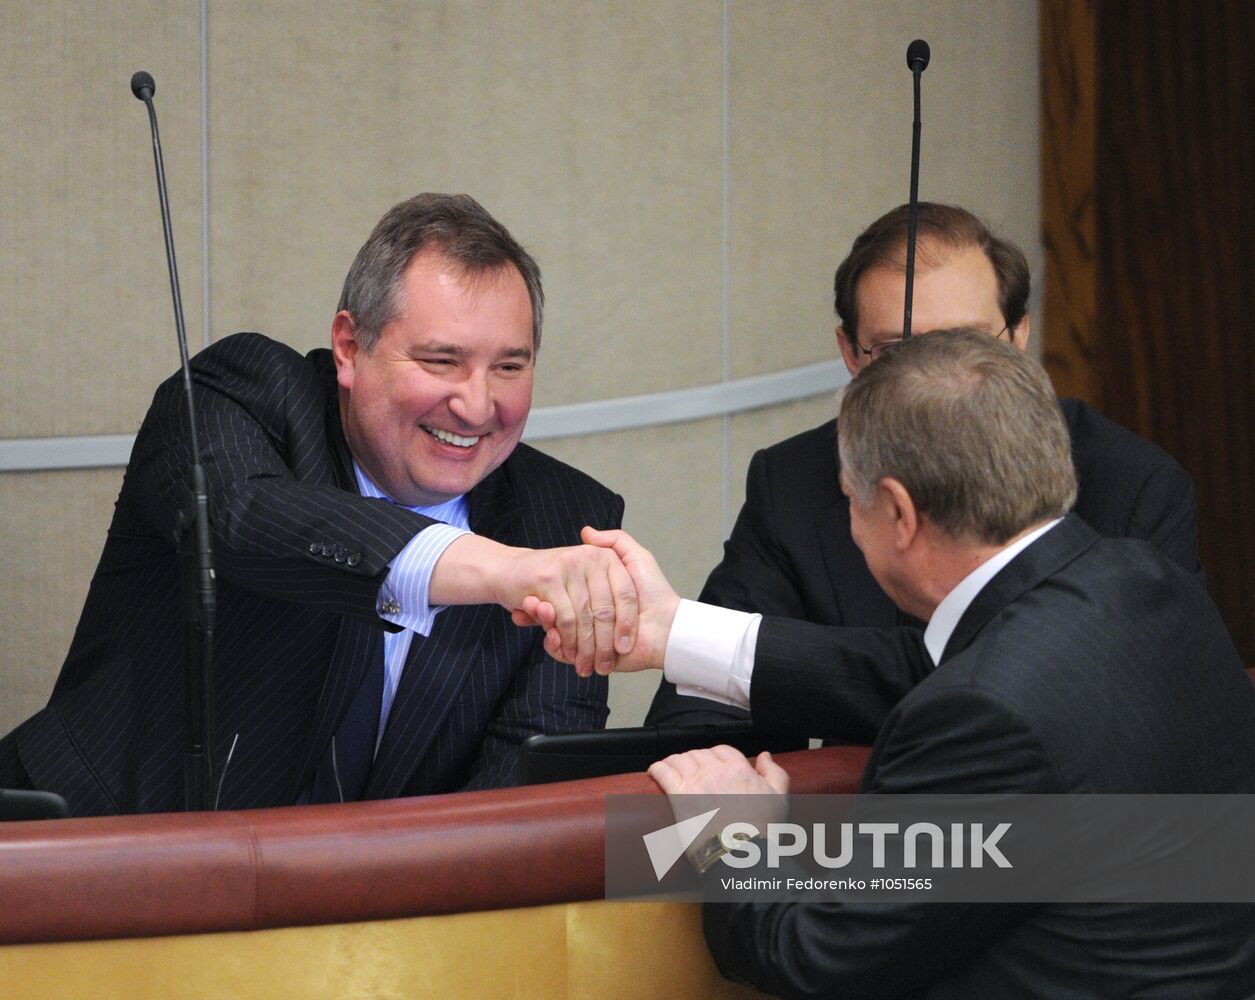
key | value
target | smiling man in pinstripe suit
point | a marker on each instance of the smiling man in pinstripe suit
(355, 493)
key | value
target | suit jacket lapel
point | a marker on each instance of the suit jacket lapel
(438, 666)
(359, 642)
(829, 527)
(1042, 559)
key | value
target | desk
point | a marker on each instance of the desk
(476, 894)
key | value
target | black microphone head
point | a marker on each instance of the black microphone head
(917, 55)
(143, 86)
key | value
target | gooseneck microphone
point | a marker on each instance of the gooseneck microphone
(917, 56)
(200, 594)
(143, 86)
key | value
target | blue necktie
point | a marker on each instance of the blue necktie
(344, 768)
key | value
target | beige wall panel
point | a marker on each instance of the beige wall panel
(820, 110)
(85, 301)
(53, 525)
(760, 428)
(592, 131)
(630, 696)
(670, 478)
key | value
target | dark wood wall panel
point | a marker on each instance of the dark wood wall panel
(1171, 352)
(1067, 209)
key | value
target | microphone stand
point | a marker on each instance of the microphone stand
(917, 56)
(196, 553)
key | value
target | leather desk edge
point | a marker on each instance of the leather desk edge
(188, 873)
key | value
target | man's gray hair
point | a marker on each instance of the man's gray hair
(969, 425)
(456, 225)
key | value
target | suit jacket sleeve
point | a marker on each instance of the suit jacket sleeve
(957, 741)
(756, 573)
(756, 576)
(836, 683)
(1130, 487)
(1164, 514)
(285, 522)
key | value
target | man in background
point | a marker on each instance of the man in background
(354, 492)
(790, 554)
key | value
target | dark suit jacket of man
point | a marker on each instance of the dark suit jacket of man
(300, 557)
(1085, 665)
(791, 555)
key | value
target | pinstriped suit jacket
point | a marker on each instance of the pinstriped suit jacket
(300, 557)
(1086, 665)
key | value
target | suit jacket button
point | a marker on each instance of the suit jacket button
(341, 553)
(354, 558)
(328, 549)
(314, 548)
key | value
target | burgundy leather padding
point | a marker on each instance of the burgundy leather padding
(185, 873)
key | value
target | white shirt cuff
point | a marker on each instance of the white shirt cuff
(404, 598)
(710, 652)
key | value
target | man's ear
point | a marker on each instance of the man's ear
(344, 347)
(1019, 334)
(849, 353)
(903, 510)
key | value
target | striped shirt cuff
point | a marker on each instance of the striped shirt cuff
(404, 598)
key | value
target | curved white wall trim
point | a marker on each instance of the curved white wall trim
(678, 405)
(568, 420)
(43, 454)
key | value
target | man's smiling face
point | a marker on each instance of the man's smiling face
(442, 396)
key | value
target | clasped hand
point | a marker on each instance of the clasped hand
(653, 606)
(589, 601)
(588, 596)
(699, 781)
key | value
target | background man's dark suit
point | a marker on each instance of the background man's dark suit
(1085, 665)
(790, 554)
(300, 558)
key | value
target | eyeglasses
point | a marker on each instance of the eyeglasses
(876, 350)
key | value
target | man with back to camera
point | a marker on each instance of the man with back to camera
(790, 553)
(344, 487)
(1054, 662)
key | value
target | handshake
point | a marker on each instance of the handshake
(689, 779)
(624, 625)
(629, 620)
(605, 605)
